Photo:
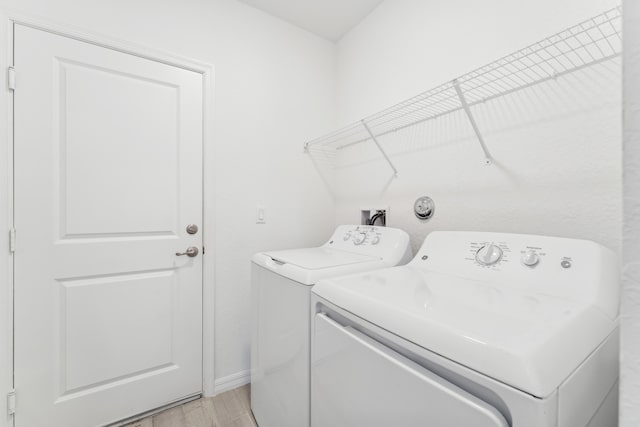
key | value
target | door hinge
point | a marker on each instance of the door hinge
(12, 240)
(11, 78)
(11, 402)
(203, 250)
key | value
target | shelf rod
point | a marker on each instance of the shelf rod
(474, 125)
(375, 140)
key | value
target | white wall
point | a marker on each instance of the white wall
(630, 381)
(557, 145)
(274, 83)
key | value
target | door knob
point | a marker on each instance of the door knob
(190, 252)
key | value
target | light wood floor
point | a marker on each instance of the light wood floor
(229, 409)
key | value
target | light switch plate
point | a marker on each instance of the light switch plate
(261, 215)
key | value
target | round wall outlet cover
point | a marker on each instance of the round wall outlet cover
(424, 208)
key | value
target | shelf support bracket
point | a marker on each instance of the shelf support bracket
(474, 125)
(375, 140)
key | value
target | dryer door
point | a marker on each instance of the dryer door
(358, 382)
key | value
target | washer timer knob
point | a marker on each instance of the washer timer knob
(530, 258)
(489, 254)
(359, 238)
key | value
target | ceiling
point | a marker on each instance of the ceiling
(330, 19)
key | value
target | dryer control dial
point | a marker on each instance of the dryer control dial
(359, 238)
(530, 258)
(489, 254)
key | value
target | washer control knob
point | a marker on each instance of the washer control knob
(347, 236)
(359, 238)
(530, 258)
(489, 254)
(376, 240)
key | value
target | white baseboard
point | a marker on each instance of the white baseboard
(232, 381)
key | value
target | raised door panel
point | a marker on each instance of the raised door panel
(108, 121)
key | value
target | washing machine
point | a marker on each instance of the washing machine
(479, 329)
(281, 305)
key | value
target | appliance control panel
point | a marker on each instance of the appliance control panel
(363, 235)
(369, 240)
(468, 253)
(566, 268)
(494, 254)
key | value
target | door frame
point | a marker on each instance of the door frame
(7, 20)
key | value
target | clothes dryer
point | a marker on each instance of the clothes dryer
(479, 329)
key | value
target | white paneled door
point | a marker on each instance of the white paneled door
(108, 174)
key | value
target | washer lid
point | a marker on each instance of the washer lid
(307, 266)
(319, 258)
(523, 337)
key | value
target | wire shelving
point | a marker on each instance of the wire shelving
(590, 42)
